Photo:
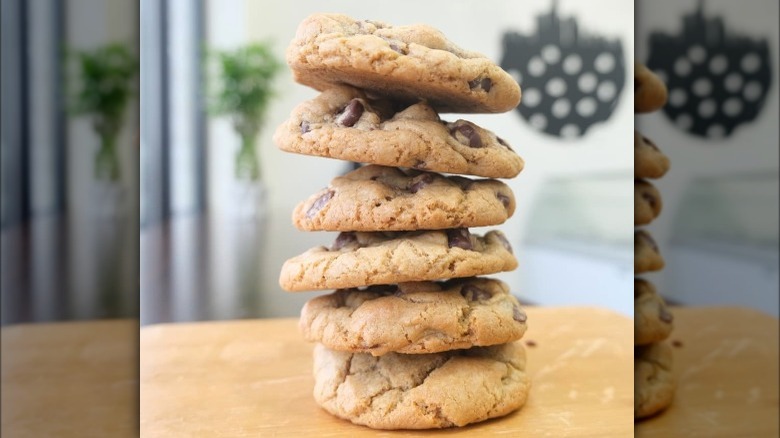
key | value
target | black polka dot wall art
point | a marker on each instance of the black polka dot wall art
(717, 79)
(571, 80)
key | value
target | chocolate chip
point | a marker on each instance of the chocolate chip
(420, 164)
(466, 134)
(530, 343)
(459, 237)
(503, 143)
(385, 289)
(503, 240)
(463, 183)
(397, 48)
(484, 83)
(420, 182)
(650, 241)
(351, 113)
(504, 199)
(650, 199)
(305, 127)
(319, 203)
(343, 239)
(649, 143)
(677, 343)
(518, 315)
(473, 293)
(665, 315)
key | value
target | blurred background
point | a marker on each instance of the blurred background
(718, 231)
(217, 195)
(69, 158)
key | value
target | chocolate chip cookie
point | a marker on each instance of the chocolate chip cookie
(407, 63)
(647, 256)
(342, 122)
(652, 320)
(649, 161)
(378, 198)
(365, 259)
(654, 383)
(649, 92)
(647, 202)
(416, 318)
(421, 391)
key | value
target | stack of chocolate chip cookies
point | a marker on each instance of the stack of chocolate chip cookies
(413, 337)
(653, 383)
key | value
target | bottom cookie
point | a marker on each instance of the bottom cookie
(654, 384)
(421, 391)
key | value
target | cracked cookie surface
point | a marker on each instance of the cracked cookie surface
(343, 123)
(416, 318)
(647, 256)
(421, 391)
(652, 320)
(649, 161)
(647, 202)
(405, 62)
(654, 383)
(363, 259)
(650, 93)
(379, 198)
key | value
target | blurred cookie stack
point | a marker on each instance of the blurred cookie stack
(653, 383)
(411, 338)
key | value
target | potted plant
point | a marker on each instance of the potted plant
(241, 89)
(101, 89)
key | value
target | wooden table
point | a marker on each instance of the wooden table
(73, 379)
(726, 366)
(253, 378)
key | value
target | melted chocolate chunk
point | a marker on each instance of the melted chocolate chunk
(649, 143)
(504, 199)
(484, 83)
(650, 241)
(319, 203)
(420, 182)
(305, 127)
(396, 47)
(473, 293)
(344, 239)
(518, 315)
(351, 113)
(420, 164)
(665, 315)
(466, 134)
(503, 240)
(650, 199)
(463, 183)
(530, 343)
(459, 237)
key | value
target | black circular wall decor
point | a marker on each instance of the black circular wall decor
(570, 80)
(717, 80)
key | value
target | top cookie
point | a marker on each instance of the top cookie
(405, 63)
(378, 198)
(344, 123)
(649, 92)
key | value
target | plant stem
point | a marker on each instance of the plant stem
(247, 161)
(106, 158)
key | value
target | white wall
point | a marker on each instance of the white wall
(472, 25)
